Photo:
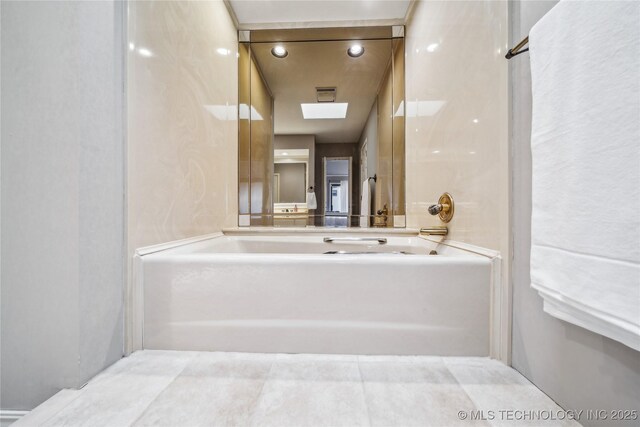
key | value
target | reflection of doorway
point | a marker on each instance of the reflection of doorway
(337, 189)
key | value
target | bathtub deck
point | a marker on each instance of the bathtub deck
(237, 389)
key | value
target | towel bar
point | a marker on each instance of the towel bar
(516, 49)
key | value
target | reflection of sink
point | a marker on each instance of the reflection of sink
(291, 219)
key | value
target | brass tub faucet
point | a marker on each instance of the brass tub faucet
(438, 230)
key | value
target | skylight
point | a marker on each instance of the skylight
(328, 110)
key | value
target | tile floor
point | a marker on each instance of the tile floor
(188, 389)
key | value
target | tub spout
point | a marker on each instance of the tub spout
(435, 231)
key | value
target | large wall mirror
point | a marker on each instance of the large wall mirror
(321, 127)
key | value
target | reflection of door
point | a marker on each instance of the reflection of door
(364, 173)
(276, 188)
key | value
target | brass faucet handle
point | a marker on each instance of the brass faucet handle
(444, 208)
(435, 209)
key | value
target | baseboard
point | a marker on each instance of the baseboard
(8, 416)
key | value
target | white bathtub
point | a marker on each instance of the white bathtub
(269, 293)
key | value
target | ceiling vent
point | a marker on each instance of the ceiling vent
(326, 94)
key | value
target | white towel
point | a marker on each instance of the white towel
(365, 204)
(585, 143)
(312, 203)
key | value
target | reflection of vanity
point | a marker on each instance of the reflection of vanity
(290, 215)
(292, 156)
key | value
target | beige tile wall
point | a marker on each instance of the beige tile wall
(244, 129)
(182, 120)
(456, 88)
(261, 152)
(182, 142)
(384, 183)
(398, 125)
(457, 132)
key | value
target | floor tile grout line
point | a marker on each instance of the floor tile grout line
(189, 360)
(260, 394)
(364, 392)
(475, 402)
(463, 388)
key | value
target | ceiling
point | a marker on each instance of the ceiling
(293, 80)
(251, 13)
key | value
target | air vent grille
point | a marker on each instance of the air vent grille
(326, 94)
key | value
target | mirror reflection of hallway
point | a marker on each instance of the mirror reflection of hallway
(337, 191)
(321, 99)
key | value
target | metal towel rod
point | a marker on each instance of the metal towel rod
(516, 49)
(380, 240)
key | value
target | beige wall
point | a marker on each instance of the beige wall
(182, 149)
(182, 120)
(293, 180)
(455, 60)
(457, 132)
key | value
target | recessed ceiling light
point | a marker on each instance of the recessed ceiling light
(223, 51)
(475, 120)
(285, 154)
(355, 50)
(279, 52)
(432, 47)
(435, 151)
(325, 110)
